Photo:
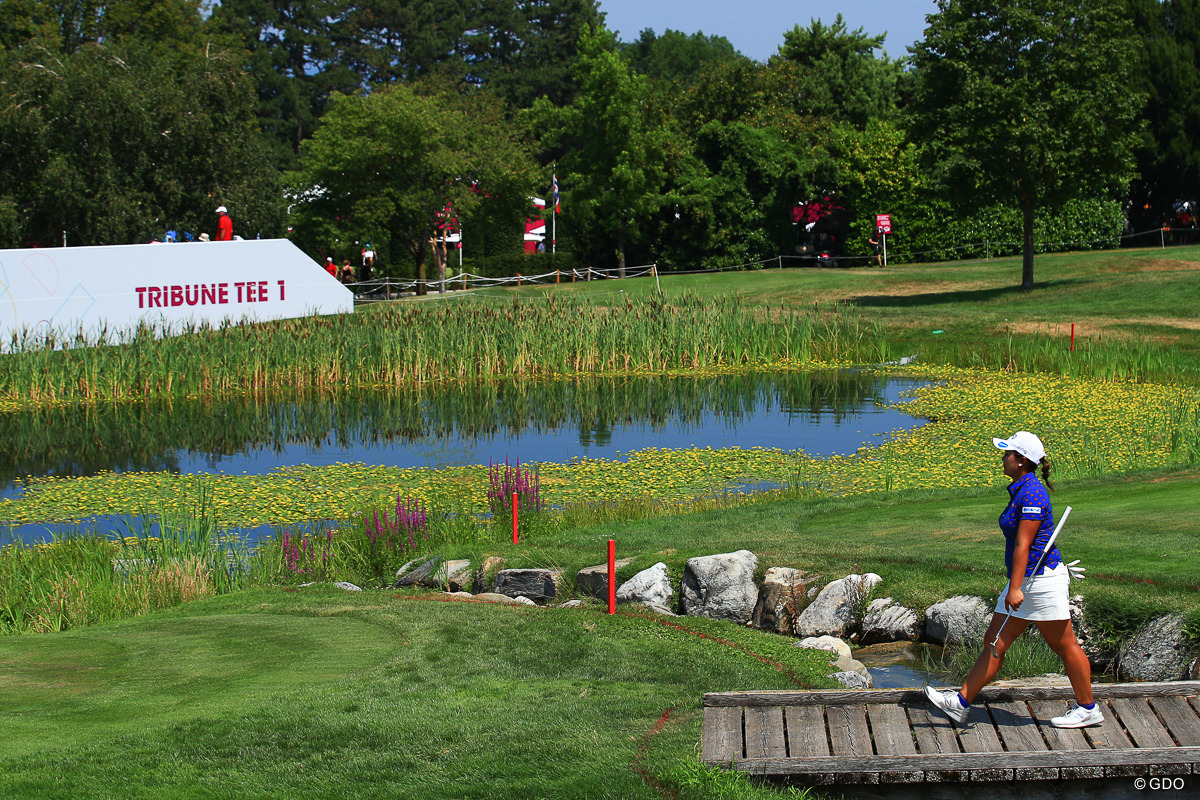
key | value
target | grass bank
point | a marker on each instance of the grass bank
(286, 691)
(320, 693)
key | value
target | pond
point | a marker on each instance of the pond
(823, 413)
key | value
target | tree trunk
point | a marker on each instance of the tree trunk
(1027, 249)
(621, 251)
(421, 290)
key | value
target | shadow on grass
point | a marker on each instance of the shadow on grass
(974, 296)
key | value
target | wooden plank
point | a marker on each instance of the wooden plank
(1014, 722)
(1108, 735)
(979, 736)
(828, 697)
(721, 735)
(933, 736)
(1141, 723)
(848, 733)
(889, 727)
(1180, 718)
(764, 732)
(1134, 759)
(806, 731)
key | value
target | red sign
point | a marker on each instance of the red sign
(884, 222)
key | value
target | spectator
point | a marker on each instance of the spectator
(347, 272)
(224, 225)
(330, 267)
(876, 242)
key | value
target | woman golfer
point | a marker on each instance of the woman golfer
(1027, 524)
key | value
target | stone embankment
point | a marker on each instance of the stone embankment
(826, 615)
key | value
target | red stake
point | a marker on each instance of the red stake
(1072, 337)
(514, 517)
(612, 577)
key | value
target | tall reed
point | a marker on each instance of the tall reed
(415, 343)
(89, 576)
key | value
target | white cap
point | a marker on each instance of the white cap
(222, 210)
(1024, 443)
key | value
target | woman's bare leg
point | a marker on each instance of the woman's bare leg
(986, 667)
(1061, 637)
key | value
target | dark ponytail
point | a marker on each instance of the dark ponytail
(1046, 473)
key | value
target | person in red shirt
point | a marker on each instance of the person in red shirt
(224, 225)
(330, 267)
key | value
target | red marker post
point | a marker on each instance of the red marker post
(612, 577)
(514, 517)
(1072, 337)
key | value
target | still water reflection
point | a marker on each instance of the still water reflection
(822, 413)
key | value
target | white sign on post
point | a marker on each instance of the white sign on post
(73, 289)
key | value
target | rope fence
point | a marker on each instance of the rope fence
(462, 285)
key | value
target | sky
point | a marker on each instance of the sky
(756, 27)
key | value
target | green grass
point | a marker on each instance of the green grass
(320, 693)
(326, 694)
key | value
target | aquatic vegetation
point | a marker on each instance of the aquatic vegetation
(1090, 427)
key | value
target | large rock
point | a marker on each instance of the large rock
(830, 644)
(1160, 651)
(721, 586)
(852, 680)
(594, 580)
(535, 584)
(454, 575)
(886, 621)
(485, 576)
(838, 608)
(958, 619)
(782, 595)
(651, 587)
(418, 572)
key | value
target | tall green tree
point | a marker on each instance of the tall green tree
(1168, 73)
(677, 56)
(613, 160)
(849, 81)
(114, 144)
(1027, 102)
(524, 49)
(387, 163)
(293, 60)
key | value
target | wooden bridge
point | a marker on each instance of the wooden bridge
(894, 736)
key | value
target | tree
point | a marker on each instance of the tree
(1027, 101)
(524, 49)
(1168, 73)
(676, 56)
(114, 144)
(293, 60)
(388, 163)
(613, 160)
(851, 84)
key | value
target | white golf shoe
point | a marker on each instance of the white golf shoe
(1079, 717)
(948, 703)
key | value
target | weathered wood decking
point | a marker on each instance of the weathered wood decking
(893, 736)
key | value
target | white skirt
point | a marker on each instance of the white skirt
(1046, 596)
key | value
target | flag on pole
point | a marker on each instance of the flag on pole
(557, 209)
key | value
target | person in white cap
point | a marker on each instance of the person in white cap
(1028, 523)
(224, 225)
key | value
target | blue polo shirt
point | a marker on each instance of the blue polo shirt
(1028, 500)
